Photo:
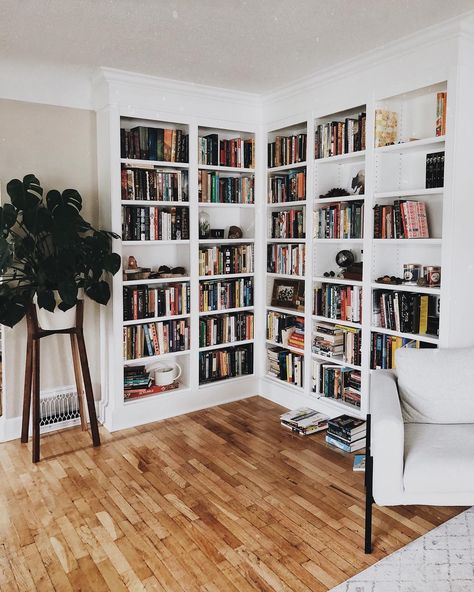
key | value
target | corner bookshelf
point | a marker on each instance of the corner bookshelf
(339, 222)
(226, 201)
(287, 257)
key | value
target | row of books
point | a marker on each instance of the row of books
(339, 383)
(434, 170)
(226, 259)
(343, 303)
(288, 224)
(384, 347)
(340, 220)
(152, 143)
(215, 330)
(153, 223)
(287, 150)
(285, 365)
(236, 152)
(214, 188)
(304, 421)
(141, 302)
(340, 137)
(155, 339)
(406, 312)
(286, 259)
(285, 329)
(337, 341)
(154, 184)
(441, 110)
(286, 188)
(346, 433)
(403, 219)
(224, 294)
(225, 363)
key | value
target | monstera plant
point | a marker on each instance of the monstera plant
(48, 253)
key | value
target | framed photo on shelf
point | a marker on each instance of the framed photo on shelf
(288, 293)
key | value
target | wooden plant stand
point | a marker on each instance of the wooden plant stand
(31, 395)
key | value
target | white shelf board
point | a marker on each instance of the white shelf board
(342, 158)
(294, 350)
(224, 169)
(414, 336)
(137, 400)
(151, 243)
(286, 275)
(340, 198)
(210, 384)
(208, 204)
(286, 167)
(154, 320)
(336, 321)
(140, 163)
(346, 407)
(334, 280)
(224, 345)
(150, 203)
(423, 144)
(226, 241)
(226, 276)
(339, 240)
(286, 240)
(283, 383)
(334, 360)
(288, 311)
(405, 288)
(410, 242)
(155, 281)
(207, 313)
(151, 359)
(287, 204)
(408, 193)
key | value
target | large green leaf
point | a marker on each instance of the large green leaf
(112, 263)
(68, 292)
(25, 194)
(99, 292)
(46, 300)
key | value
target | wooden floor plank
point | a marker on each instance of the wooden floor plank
(221, 500)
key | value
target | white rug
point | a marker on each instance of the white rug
(439, 561)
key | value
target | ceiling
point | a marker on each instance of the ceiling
(252, 45)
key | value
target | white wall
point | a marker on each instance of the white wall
(58, 144)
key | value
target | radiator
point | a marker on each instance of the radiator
(59, 408)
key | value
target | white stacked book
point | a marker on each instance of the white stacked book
(304, 421)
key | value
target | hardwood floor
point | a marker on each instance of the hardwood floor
(215, 501)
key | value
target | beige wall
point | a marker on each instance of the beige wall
(58, 145)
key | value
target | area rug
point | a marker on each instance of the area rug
(439, 561)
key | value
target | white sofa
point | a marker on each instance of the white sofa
(421, 445)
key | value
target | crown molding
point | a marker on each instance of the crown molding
(456, 28)
(115, 78)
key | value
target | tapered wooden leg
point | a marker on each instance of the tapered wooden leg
(36, 401)
(77, 375)
(88, 388)
(25, 425)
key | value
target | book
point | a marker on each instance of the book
(153, 223)
(287, 150)
(223, 294)
(288, 224)
(141, 302)
(346, 426)
(386, 127)
(340, 137)
(225, 328)
(145, 184)
(285, 365)
(220, 260)
(155, 144)
(336, 442)
(343, 303)
(225, 363)
(214, 188)
(152, 390)
(441, 110)
(402, 219)
(287, 187)
(234, 152)
(304, 421)
(359, 463)
(287, 259)
(434, 176)
(406, 312)
(340, 220)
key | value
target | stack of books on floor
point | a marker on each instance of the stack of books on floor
(346, 433)
(139, 383)
(304, 421)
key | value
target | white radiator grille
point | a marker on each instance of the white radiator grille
(59, 409)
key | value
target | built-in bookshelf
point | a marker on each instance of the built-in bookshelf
(226, 229)
(286, 256)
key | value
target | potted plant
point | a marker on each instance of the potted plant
(50, 256)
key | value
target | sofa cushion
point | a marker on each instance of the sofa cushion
(436, 385)
(439, 459)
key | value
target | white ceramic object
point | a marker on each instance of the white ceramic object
(165, 374)
(57, 320)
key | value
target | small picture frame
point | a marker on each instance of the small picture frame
(288, 293)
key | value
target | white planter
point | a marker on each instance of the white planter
(57, 320)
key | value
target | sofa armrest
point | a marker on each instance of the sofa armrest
(387, 444)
